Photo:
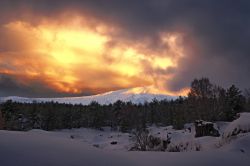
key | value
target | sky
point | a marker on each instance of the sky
(85, 47)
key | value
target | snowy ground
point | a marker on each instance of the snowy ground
(92, 147)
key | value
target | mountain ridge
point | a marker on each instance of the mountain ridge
(137, 95)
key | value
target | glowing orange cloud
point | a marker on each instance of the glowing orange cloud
(75, 55)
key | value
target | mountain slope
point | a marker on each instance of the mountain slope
(135, 95)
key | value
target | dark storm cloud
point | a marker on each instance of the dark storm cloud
(9, 86)
(216, 33)
(219, 28)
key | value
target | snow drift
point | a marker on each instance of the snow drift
(40, 148)
(240, 125)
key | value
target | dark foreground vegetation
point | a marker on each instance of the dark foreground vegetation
(205, 101)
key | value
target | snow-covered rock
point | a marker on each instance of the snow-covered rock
(240, 125)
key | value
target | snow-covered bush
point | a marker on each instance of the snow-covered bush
(183, 147)
(144, 141)
(140, 137)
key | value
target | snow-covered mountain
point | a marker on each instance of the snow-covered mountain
(135, 95)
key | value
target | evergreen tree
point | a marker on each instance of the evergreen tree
(235, 102)
(1, 121)
(247, 98)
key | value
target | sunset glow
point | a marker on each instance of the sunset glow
(74, 55)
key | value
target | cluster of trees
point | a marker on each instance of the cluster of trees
(205, 101)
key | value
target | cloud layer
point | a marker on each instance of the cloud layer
(86, 47)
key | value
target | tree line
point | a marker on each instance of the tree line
(205, 101)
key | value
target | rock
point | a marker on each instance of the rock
(96, 145)
(203, 128)
(242, 150)
(113, 142)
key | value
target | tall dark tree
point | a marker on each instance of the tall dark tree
(247, 97)
(235, 102)
(201, 88)
(2, 121)
(200, 98)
